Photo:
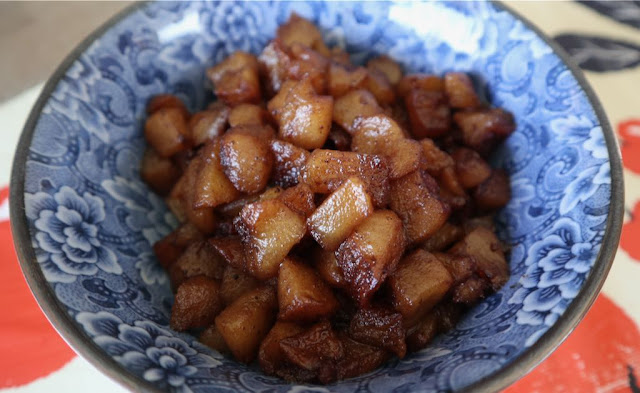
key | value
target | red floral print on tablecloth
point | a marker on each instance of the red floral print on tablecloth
(601, 355)
(629, 132)
(29, 346)
(630, 238)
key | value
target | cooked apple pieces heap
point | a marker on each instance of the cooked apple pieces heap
(332, 215)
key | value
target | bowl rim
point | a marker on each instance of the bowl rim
(82, 344)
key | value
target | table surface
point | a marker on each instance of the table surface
(601, 355)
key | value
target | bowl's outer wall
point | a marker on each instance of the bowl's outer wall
(77, 165)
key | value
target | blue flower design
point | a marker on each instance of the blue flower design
(596, 143)
(573, 129)
(148, 350)
(147, 212)
(557, 267)
(237, 26)
(584, 186)
(150, 270)
(73, 99)
(67, 228)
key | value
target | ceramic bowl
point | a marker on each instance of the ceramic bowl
(84, 222)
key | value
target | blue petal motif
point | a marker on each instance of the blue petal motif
(596, 143)
(570, 290)
(99, 324)
(69, 217)
(136, 361)
(114, 346)
(556, 277)
(581, 189)
(48, 223)
(532, 318)
(67, 228)
(146, 349)
(81, 236)
(69, 202)
(154, 374)
(555, 259)
(135, 336)
(542, 299)
(175, 343)
(166, 357)
(38, 202)
(68, 266)
(107, 261)
(47, 244)
(147, 212)
(573, 129)
(52, 272)
(77, 255)
(150, 271)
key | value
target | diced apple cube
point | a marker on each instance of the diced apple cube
(167, 131)
(236, 79)
(302, 295)
(198, 259)
(299, 198)
(378, 84)
(414, 199)
(482, 129)
(381, 327)
(327, 267)
(212, 338)
(288, 164)
(245, 322)
(421, 82)
(247, 161)
(248, 115)
(483, 245)
(339, 214)
(429, 113)
(326, 170)
(389, 67)
(494, 193)
(314, 348)
(272, 360)
(212, 187)
(158, 172)
(305, 118)
(418, 284)
(460, 91)
(370, 253)
(208, 124)
(269, 230)
(196, 304)
(352, 106)
(234, 284)
(471, 169)
(170, 247)
(342, 79)
(230, 249)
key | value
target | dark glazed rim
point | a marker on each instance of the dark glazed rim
(85, 346)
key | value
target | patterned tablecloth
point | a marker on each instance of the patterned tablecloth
(601, 355)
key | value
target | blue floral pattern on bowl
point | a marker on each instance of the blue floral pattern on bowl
(92, 221)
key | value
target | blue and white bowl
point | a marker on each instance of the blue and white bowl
(84, 222)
